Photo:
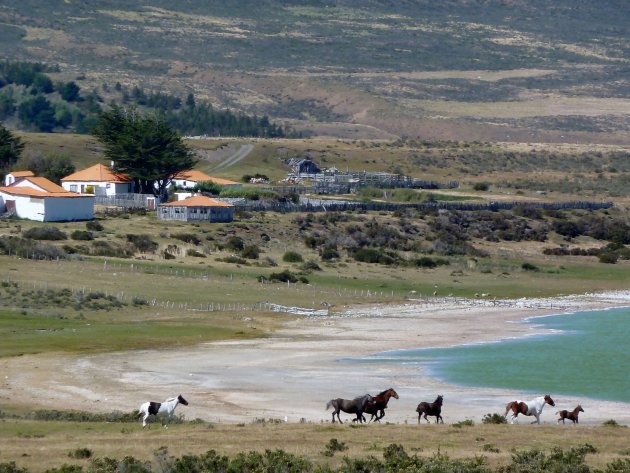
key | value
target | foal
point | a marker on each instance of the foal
(573, 415)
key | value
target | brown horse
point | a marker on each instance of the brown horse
(530, 408)
(431, 409)
(571, 415)
(350, 406)
(379, 404)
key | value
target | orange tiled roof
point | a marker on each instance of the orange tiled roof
(43, 183)
(96, 173)
(198, 176)
(22, 173)
(198, 201)
(29, 191)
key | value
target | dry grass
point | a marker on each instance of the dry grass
(41, 445)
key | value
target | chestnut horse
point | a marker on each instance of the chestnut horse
(379, 404)
(350, 406)
(431, 409)
(530, 408)
(571, 415)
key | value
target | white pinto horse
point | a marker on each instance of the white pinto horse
(161, 409)
(529, 408)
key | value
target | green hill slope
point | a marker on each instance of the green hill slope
(370, 68)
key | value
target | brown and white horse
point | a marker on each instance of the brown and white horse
(160, 409)
(529, 408)
(571, 415)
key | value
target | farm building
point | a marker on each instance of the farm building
(15, 175)
(197, 208)
(189, 179)
(37, 198)
(98, 180)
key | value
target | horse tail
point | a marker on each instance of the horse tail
(508, 406)
(329, 404)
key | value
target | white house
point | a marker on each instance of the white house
(98, 180)
(37, 198)
(15, 175)
(189, 179)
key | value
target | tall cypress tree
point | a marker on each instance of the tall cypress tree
(146, 148)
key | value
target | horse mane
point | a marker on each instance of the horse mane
(383, 393)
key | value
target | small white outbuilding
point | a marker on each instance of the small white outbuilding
(37, 198)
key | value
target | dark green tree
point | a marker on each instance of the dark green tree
(69, 91)
(146, 148)
(38, 112)
(10, 149)
(53, 166)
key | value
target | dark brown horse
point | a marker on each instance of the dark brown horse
(571, 415)
(379, 404)
(529, 408)
(350, 406)
(431, 409)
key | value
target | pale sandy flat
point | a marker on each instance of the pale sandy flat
(295, 372)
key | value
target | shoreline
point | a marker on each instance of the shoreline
(294, 372)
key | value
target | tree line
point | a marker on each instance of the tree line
(32, 101)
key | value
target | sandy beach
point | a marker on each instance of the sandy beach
(293, 373)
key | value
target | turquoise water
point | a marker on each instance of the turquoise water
(587, 355)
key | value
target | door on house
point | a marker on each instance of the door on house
(10, 204)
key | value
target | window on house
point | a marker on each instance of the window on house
(74, 188)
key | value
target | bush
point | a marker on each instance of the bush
(284, 276)
(333, 446)
(250, 252)
(493, 419)
(45, 233)
(310, 266)
(608, 257)
(292, 257)
(94, 226)
(235, 243)
(82, 235)
(329, 254)
(529, 267)
(481, 186)
(80, 453)
(194, 253)
(103, 248)
(143, 243)
(187, 238)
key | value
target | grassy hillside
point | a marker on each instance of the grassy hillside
(356, 69)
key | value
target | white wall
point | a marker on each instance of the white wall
(30, 208)
(114, 188)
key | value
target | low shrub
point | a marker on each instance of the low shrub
(235, 243)
(143, 243)
(464, 423)
(493, 419)
(284, 276)
(194, 253)
(80, 453)
(334, 446)
(94, 226)
(529, 267)
(292, 257)
(82, 235)
(45, 233)
(187, 238)
(250, 252)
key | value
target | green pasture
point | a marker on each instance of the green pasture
(24, 334)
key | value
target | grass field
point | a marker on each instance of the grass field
(39, 445)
